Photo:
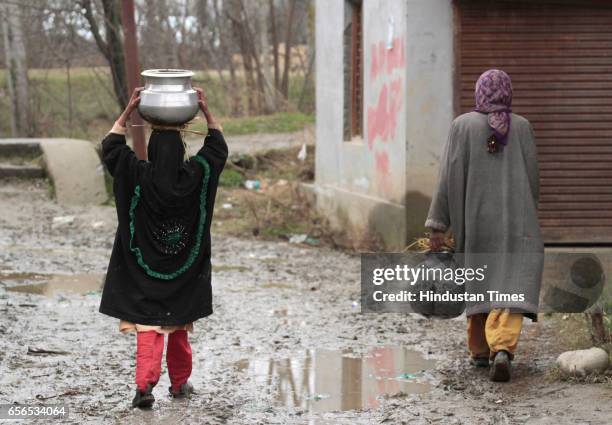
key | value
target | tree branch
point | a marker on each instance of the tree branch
(95, 29)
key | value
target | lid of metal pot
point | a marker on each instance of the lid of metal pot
(167, 73)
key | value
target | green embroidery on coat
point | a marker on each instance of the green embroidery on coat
(173, 238)
(195, 251)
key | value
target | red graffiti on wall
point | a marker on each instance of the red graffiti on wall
(383, 175)
(386, 60)
(382, 118)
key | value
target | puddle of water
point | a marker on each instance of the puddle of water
(328, 380)
(50, 284)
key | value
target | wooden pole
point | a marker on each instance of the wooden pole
(132, 70)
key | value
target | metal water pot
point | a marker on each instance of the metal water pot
(168, 98)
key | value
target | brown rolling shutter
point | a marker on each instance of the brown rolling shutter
(559, 56)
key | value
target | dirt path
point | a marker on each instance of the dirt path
(286, 343)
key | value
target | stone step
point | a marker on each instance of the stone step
(19, 148)
(27, 171)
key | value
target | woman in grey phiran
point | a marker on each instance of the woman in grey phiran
(487, 195)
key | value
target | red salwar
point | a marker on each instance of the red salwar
(149, 351)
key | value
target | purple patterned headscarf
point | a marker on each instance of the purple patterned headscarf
(494, 97)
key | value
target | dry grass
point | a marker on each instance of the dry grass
(556, 374)
(281, 208)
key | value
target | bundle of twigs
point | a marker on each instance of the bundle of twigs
(423, 245)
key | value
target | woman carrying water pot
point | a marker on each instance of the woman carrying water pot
(159, 276)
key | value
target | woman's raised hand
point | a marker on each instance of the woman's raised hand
(132, 104)
(134, 99)
(202, 103)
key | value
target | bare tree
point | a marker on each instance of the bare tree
(248, 49)
(226, 51)
(239, 22)
(310, 57)
(254, 20)
(17, 71)
(110, 45)
(158, 36)
(288, 42)
(274, 36)
(269, 88)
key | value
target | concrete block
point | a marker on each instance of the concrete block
(76, 171)
(362, 216)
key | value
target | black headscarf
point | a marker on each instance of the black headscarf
(168, 209)
(170, 181)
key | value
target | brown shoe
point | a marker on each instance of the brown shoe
(500, 370)
(479, 361)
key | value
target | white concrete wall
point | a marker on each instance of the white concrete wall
(329, 18)
(429, 107)
(373, 165)
(408, 59)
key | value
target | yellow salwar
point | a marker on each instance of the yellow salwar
(493, 332)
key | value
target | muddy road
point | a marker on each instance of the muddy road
(286, 344)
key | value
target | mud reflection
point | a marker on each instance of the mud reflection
(50, 284)
(326, 380)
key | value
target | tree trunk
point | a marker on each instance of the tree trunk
(236, 16)
(17, 71)
(250, 41)
(307, 81)
(69, 95)
(112, 46)
(288, 41)
(270, 98)
(224, 55)
(167, 34)
(250, 82)
(112, 25)
(180, 50)
(310, 58)
(273, 33)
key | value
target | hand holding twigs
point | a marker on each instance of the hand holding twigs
(132, 104)
(436, 240)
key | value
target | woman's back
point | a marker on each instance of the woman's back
(500, 190)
